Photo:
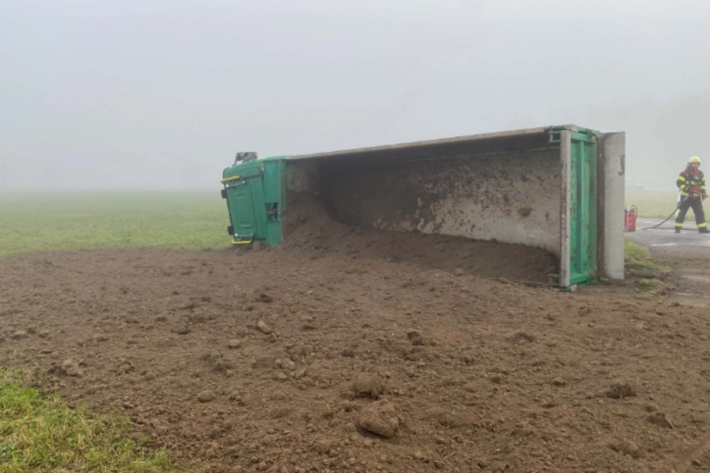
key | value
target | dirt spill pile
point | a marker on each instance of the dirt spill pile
(268, 362)
(310, 230)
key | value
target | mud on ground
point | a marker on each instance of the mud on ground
(279, 361)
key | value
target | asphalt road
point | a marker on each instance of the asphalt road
(666, 239)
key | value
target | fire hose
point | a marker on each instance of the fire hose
(655, 227)
(693, 190)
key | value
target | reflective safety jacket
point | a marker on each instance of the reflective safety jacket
(691, 182)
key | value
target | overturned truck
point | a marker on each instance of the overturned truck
(557, 188)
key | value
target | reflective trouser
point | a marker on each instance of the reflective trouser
(697, 205)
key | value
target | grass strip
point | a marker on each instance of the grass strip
(638, 261)
(42, 434)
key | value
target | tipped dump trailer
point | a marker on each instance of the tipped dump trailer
(558, 188)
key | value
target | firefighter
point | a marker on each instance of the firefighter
(691, 183)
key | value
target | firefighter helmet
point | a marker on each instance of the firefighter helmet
(694, 159)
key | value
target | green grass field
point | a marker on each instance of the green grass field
(79, 221)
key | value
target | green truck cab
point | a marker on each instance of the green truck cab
(254, 190)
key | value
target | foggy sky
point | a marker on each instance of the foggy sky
(161, 94)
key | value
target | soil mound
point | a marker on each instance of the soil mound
(309, 229)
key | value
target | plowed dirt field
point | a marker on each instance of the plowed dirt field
(302, 360)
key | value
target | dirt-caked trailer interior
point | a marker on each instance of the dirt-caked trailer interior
(557, 189)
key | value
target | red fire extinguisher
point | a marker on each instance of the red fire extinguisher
(630, 219)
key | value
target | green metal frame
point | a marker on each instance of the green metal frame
(583, 209)
(581, 205)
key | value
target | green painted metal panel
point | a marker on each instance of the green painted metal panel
(257, 187)
(274, 198)
(583, 208)
(272, 180)
(241, 210)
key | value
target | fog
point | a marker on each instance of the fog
(161, 94)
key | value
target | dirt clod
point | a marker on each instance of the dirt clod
(627, 447)
(525, 211)
(660, 420)
(323, 446)
(263, 327)
(181, 329)
(620, 390)
(380, 418)
(206, 396)
(520, 337)
(367, 385)
(415, 338)
(19, 335)
(72, 368)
